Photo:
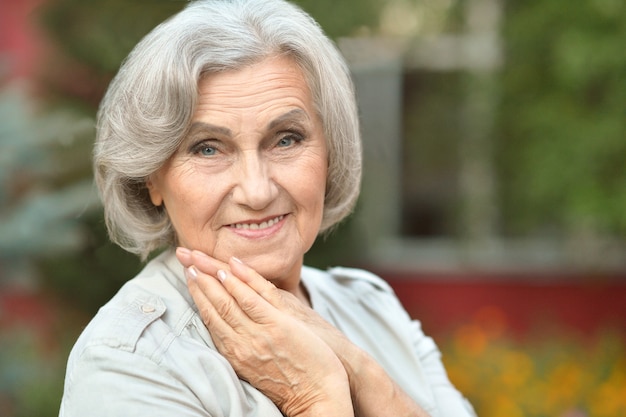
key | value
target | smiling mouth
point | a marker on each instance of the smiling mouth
(257, 226)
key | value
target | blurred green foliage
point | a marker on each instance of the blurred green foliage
(343, 18)
(31, 382)
(562, 143)
(41, 194)
(99, 34)
(89, 276)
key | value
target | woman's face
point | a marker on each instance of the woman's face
(249, 179)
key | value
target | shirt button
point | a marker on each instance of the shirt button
(147, 308)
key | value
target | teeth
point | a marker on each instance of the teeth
(257, 226)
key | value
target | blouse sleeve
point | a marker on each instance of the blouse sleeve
(113, 382)
(366, 309)
(450, 402)
(130, 361)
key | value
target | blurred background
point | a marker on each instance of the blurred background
(494, 195)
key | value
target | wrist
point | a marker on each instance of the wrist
(373, 391)
(329, 408)
(331, 398)
(358, 364)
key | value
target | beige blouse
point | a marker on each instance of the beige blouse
(147, 352)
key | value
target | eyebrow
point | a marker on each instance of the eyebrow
(295, 114)
(208, 127)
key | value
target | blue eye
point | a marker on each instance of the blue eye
(204, 148)
(286, 141)
(289, 140)
(207, 151)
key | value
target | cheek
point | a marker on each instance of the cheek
(188, 201)
(193, 219)
(322, 178)
(313, 189)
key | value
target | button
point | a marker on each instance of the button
(147, 308)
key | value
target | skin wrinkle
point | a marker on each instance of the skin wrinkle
(199, 128)
(270, 159)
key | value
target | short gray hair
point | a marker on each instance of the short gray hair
(148, 107)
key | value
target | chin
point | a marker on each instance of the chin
(273, 269)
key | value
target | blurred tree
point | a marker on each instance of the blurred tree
(91, 39)
(41, 195)
(344, 18)
(100, 34)
(563, 118)
(49, 210)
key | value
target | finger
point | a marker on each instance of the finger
(207, 311)
(227, 340)
(258, 283)
(249, 300)
(209, 293)
(184, 256)
(282, 300)
(201, 260)
(206, 263)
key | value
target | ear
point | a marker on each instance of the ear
(155, 194)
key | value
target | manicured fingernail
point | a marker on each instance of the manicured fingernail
(221, 275)
(191, 272)
(239, 261)
(183, 251)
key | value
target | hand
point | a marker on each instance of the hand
(280, 299)
(276, 353)
(373, 392)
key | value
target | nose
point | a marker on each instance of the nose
(254, 186)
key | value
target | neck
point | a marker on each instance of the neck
(298, 290)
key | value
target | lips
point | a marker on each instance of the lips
(257, 226)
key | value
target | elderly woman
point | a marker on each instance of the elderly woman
(231, 134)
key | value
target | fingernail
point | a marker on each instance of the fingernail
(239, 261)
(221, 275)
(183, 251)
(191, 272)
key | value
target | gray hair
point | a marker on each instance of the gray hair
(148, 107)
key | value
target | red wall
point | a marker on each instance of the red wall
(20, 42)
(520, 303)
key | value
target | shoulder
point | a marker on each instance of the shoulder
(347, 277)
(129, 345)
(151, 302)
(351, 289)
